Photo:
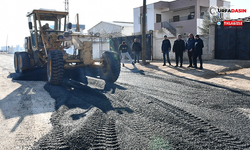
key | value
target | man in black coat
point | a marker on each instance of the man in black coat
(189, 47)
(198, 51)
(178, 49)
(136, 50)
(165, 48)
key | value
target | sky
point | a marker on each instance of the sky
(14, 23)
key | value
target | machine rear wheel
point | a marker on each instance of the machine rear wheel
(16, 64)
(23, 62)
(111, 66)
(55, 67)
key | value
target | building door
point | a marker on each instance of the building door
(243, 42)
(233, 42)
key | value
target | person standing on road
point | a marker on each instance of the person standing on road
(136, 50)
(189, 48)
(178, 49)
(198, 51)
(165, 48)
(123, 48)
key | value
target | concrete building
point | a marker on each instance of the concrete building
(179, 16)
(108, 30)
(115, 28)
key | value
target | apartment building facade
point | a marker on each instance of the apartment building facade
(169, 15)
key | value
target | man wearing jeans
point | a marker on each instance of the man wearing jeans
(165, 48)
(136, 50)
(124, 52)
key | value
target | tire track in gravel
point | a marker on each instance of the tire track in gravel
(135, 122)
(76, 123)
(106, 137)
(202, 130)
(229, 101)
(196, 125)
(150, 117)
(192, 129)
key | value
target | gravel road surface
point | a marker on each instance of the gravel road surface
(142, 110)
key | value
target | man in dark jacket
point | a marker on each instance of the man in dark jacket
(165, 48)
(178, 49)
(136, 50)
(198, 51)
(124, 52)
(189, 48)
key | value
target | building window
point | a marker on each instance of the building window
(158, 18)
(176, 18)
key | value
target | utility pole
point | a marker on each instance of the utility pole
(67, 8)
(77, 24)
(144, 33)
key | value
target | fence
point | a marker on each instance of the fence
(115, 42)
(157, 54)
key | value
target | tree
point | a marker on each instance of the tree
(207, 20)
(205, 25)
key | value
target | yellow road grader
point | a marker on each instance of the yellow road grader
(49, 36)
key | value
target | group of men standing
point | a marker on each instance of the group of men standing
(193, 46)
(136, 50)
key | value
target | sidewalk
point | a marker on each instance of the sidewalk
(229, 73)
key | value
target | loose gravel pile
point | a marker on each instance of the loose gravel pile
(146, 111)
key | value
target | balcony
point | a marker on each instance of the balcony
(189, 17)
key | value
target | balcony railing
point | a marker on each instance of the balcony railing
(189, 17)
(169, 27)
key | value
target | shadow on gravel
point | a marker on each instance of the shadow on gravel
(111, 87)
(92, 96)
(38, 74)
(246, 93)
(135, 70)
(80, 110)
(81, 113)
(19, 104)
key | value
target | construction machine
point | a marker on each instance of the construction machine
(49, 36)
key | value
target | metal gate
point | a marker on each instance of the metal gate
(233, 42)
(115, 42)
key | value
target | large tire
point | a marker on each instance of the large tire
(111, 66)
(16, 62)
(23, 62)
(55, 67)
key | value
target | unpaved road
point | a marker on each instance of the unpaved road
(141, 110)
(25, 109)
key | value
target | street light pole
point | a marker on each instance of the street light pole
(144, 33)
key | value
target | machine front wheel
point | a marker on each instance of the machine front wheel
(111, 68)
(55, 67)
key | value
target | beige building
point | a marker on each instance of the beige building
(167, 16)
